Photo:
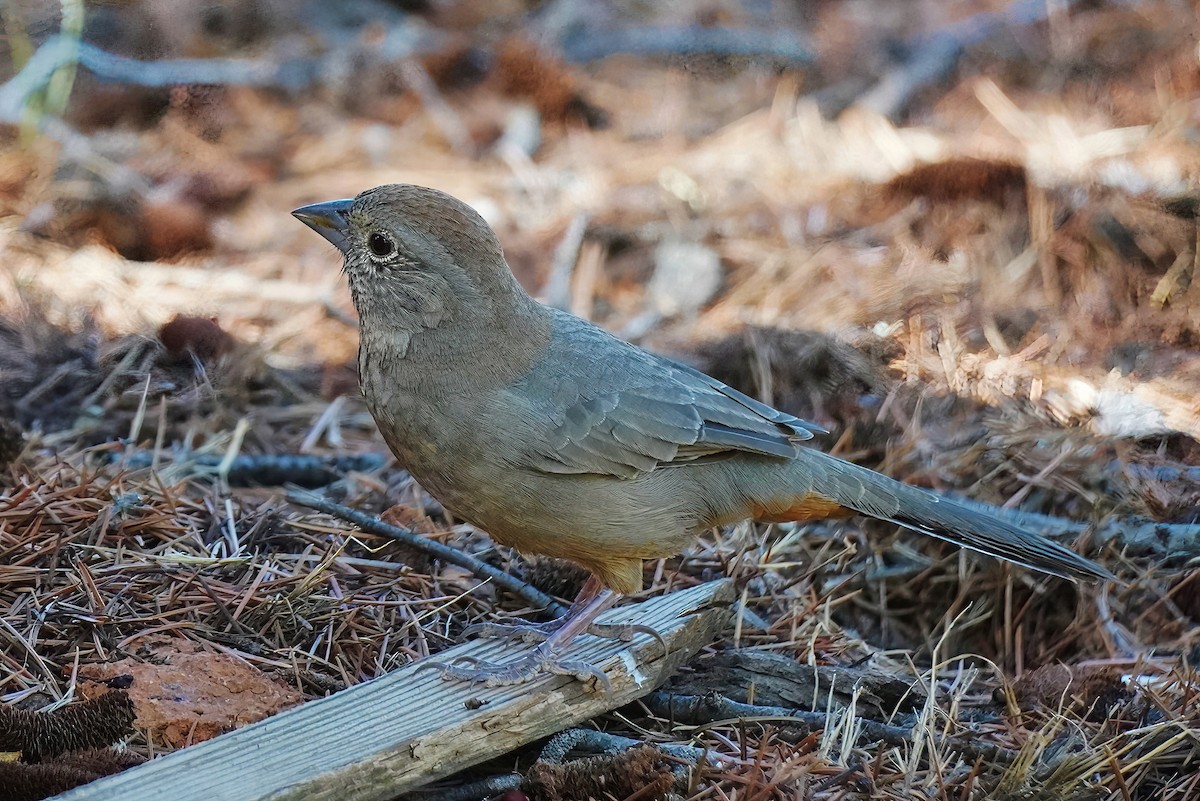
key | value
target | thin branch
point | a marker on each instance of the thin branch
(783, 46)
(598, 742)
(712, 707)
(293, 74)
(265, 469)
(557, 290)
(472, 791)
(444, 552)
(290, 73)
(935, 55)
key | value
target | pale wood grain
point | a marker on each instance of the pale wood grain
(408, 728)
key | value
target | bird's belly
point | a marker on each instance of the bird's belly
(422, 438)
(587, 518)
(584, 518)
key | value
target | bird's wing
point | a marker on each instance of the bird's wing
(614, 409)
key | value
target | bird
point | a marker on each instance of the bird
(558, 438)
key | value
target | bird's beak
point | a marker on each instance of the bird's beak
(330, 219)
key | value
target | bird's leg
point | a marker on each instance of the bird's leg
(536, 632)
(539, 632)
(546, 657)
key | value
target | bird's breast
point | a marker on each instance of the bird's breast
(412, 408)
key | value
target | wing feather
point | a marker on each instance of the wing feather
(623, 411)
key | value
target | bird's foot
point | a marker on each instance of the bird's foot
(556, 637)
(522, 632)
(541, 661)
(540, 632)
(625, 632)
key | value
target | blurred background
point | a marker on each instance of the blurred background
(949, 179)
(962, 235)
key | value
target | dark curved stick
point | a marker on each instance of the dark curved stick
(444, 552)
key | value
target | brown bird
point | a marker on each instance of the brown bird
(557, 438)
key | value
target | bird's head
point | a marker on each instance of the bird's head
(416, 255)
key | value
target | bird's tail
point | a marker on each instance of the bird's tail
(875, 495)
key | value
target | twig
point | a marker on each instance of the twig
(14, 94)
(936, 54)
(271, 469)
(711, 707)
(401, 40)
(291, 74)
(472, 791)
(598, 742)
(557, 290)
(37, 72)
(591, 44)
(445, 552)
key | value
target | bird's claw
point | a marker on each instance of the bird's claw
(528, 668)
(625, 632)
(540, 632)
(523, 632)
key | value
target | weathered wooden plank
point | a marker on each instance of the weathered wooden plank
(403, 730)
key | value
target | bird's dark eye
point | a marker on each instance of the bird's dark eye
(381, 245)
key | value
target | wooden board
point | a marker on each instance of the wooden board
(408, 728)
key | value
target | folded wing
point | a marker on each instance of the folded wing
(629, 412)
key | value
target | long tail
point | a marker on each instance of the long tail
(876, 495)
